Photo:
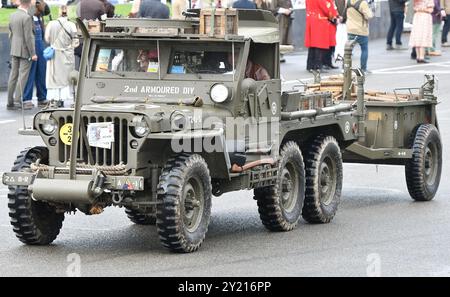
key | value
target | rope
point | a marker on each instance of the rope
(120, 169)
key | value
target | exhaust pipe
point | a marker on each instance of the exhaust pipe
(348, 52)
(63, 190)
(360, 106)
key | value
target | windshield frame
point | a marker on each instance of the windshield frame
(165, 48)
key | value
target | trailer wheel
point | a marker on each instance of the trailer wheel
(184, 203)
(34, 222)
(280, 205)
(324, 175)
(140, 218)
(423, 171)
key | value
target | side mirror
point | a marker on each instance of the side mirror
(74, 77)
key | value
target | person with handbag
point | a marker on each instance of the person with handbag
(61, 35)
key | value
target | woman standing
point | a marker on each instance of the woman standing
(422, 31)
(317, 32)
(60, 34)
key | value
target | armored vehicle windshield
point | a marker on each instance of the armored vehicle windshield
(167, 60)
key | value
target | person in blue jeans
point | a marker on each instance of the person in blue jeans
(363, 42)
(38, 68)
(397, 9)
(358, 15)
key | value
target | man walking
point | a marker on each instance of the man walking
(358, 16)
(397, 8)
(39, 67)
(23, 52)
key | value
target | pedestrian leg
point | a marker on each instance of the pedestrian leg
(41, 89)
(445, 31)
(391, 31)
(364, 44)
(310, 60)
(28, 90)
(318, 64)
(13, 77)
(400, 19)
(24, 71)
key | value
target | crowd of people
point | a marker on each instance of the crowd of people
(31, 66)
(45, 64)
(331, 23)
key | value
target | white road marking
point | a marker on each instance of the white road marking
(378, 189)
(415, 69)
(7, 122)
(412, 72)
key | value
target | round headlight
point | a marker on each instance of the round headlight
(49, 126)
(141, 128)
(219, 93)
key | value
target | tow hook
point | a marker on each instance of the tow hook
(117, 197)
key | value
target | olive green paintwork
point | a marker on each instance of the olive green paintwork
(160, 99)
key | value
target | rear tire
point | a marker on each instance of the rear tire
(324, 175)
(184, 203)
(280, 205)
(34, 222)
(423, 170)
(140, 218)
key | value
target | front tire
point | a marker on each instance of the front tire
(184, 203)
(324, 175)
(280, 205)
(140, 218)
(423, 170)
(34, 222)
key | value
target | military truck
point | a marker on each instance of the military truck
(166, 117)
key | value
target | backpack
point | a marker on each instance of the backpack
(356, 6)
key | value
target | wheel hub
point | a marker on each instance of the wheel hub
(430, 164)
(327, 181)
(193, 204)
(289, 188)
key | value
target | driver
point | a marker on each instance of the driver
(146, 57)
(252, 70)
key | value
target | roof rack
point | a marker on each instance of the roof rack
(225, 24)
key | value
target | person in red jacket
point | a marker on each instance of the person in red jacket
(319, 13)
(328, 55)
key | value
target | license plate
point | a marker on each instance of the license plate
(101, 135)
(17, 179)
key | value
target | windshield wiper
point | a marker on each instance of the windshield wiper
(112, 72)
(193, 72)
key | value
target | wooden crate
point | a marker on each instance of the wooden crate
(94, 26)
(224, 21)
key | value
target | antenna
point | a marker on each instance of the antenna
(25, 130)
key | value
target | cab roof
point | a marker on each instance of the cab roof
(260, 26)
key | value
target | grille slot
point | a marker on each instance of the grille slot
(98, 156)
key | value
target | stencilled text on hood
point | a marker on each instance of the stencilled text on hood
(159, 90)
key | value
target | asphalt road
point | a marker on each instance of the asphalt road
(378, 230)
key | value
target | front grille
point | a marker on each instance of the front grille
(98, 156)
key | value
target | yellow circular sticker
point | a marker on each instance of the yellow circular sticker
(65, 133)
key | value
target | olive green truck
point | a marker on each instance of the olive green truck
(165, 118)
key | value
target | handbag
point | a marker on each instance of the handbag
(49, 52)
